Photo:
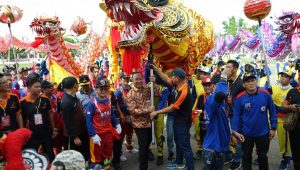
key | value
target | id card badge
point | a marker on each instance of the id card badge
(38, 119)
(5, 121)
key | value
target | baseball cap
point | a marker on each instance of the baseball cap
(70, 159)
(124, 76)
(247, 77)
(84, 80)
(102, 83)
(46, 84)
(207, 80)
(286, 72)
(179, 72)
(216, 78)
(204, 69)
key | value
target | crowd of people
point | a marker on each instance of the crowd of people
(232, 113)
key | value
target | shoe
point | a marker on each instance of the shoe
(159, 160)
(117, 166)
(95, 166)
(151, 156)
(198, 155)
(255, 162)
(228, 160)
(235, 166)
(123, 158)
(180, 166)
(172, 165)
(285, 163)
(133, 150)
(171, 156)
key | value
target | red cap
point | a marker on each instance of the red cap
(206, 80)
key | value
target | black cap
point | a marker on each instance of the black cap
(247, 77)
(179, 72)
(102, 83)
(84, 80)
(216, 78)
(46, 84)
(124, 76)
(22, 70)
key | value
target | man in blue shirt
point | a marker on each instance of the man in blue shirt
(250, 118)
(218, 130)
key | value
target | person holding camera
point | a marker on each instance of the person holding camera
(292, 104)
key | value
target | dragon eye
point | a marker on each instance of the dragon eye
(288, 19)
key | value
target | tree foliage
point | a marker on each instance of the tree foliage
(232, 25)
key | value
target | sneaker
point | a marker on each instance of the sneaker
(228, 160)
(123, 158)
(133, 150)
(173, 165)
(180, 166)
(284, 165)
(171, 156)
(235, 166)
(95, 166)
(159, 160)
(151, 156)
(255, 162)
(197, 155)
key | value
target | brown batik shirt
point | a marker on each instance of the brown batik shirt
(138, 100)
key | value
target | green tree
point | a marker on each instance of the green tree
(232, 25)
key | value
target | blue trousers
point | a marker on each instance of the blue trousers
(183, 145)
(170, 133)
(212, 160)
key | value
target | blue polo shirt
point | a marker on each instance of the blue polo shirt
(250, 116)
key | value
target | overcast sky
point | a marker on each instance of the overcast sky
(68, 10)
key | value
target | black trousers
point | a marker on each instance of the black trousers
(295, 145)
(42, 138)
(262, 147)
(83, 148)
(117, 150)
(144, 136)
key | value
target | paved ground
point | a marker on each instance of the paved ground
(132, 162)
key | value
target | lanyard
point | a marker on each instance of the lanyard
(96, 104)
(37, 109)
(4, 108)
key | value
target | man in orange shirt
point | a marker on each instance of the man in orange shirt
(182, 108)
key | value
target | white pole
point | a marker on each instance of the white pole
(263, 51)
(13, 47)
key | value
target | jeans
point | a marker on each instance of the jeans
(237, 156)
(262, 147)
(183, 145)
(144, 136)
(295, 147)
(212, 160)
(170, 133)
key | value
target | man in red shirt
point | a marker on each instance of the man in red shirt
(100, 119)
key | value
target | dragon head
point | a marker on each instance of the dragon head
(46, 26)
(289, 23)
(136, 15)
